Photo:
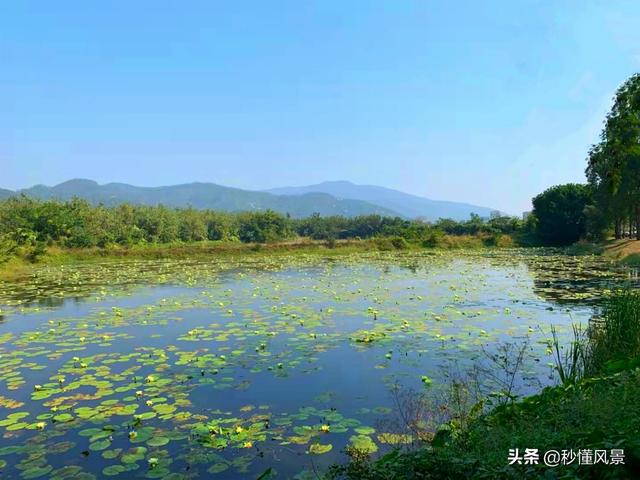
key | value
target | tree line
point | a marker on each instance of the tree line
(609, 204)
(78, 224)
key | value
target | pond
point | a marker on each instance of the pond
(228, 367)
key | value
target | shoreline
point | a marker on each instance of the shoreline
(20, 264)
(625, 251)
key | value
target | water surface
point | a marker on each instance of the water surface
(224, 368)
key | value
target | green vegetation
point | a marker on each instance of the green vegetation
(596, 414)
(595, 408)
(31, 229)
(610, 204)
(559, 213)
(614, 166)
(615, 340)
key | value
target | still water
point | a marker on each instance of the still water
(226, 368)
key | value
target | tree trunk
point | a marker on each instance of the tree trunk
(627, 227)
(618, 228)
(638, 222)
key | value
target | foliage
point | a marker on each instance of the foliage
(614, 166)
(8, 247)
(560, 213)
(264, 227)
(600, 413)
(36, 224)
(570, 364)
(616, 336)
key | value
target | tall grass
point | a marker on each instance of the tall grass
(611, 342)
(616, 337)
(570, 365)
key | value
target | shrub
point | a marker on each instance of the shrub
(330, 242)
(399, 243)
(262, 227)
(433, 239)
(391, 243)
(8, 247)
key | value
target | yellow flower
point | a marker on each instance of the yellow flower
(247, 445)
(40, 425)
(239, 429)
(325, 428)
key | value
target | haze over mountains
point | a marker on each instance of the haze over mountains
(328, 198)
(407, 205)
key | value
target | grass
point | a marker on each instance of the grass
(600, 411)
(595, 414)
(616, 337)
(625, 250)
(632, 260)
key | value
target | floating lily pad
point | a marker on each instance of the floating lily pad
(319, 449)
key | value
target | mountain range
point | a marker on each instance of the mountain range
(407, 205)
(328, 198)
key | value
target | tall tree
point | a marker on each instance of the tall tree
(613, 167)
(560, 213)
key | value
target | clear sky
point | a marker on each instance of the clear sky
(484, 102)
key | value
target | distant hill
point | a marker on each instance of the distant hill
(5, 193)
(407, 205)
(205, 195)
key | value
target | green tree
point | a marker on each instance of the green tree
(613, 168)
(560, 213)
(261, 227)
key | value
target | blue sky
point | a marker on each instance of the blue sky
(484, 102)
